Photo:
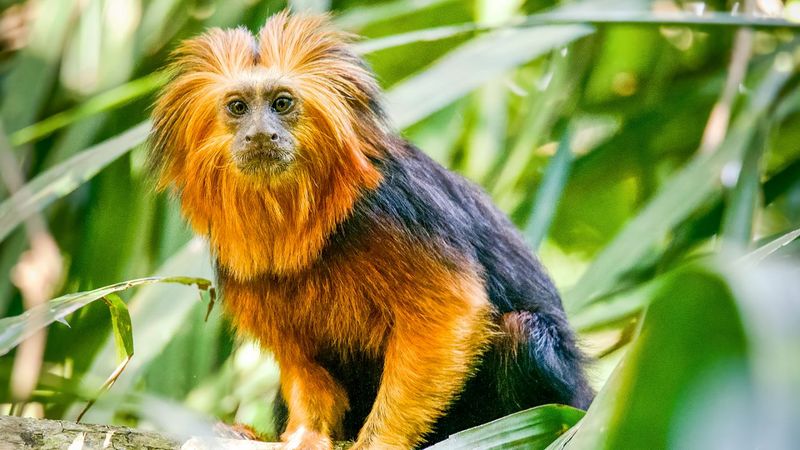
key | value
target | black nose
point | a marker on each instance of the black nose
(261, 138)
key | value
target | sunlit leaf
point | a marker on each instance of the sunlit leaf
(108, 100)
(532, 429)
(619, 16)
(14, 330)
(475, 62)
(771, 247)
(363, 15)
(121, 321)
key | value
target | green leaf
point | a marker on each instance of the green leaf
(619, 16)
(617, 307)
(121, 324)
(366, 14)
(14, 330)
(532, 429)
(542, 111)
(715, 365)
(64, 178)
(555, 178)
(123, 338)
(400, 39)
(645, 396)
(111, 99)
(771, 247)
(737, 223)
(475, 62)
(677, 199)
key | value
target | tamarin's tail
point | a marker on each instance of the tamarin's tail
(539, 360)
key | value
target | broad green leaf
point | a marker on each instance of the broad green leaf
(14, 330)
(64, 178)
(716, 365)
(475, 62)
(678, 197)
(763, 413)
(532, 429)
(691, 330)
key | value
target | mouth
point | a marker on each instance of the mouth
(263, 162)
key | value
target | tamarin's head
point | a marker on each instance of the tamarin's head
(293, 103)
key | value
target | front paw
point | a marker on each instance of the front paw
(303, 439)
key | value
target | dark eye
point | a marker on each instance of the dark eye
(237, 107)
(282, 104)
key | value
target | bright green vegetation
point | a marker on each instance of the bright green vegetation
(676, 254)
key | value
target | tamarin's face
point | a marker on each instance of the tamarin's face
(261, 114)
(292, 104)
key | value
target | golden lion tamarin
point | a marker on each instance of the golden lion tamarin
(400, 305)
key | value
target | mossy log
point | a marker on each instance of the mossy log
(27, 433)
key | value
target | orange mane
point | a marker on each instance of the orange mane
(276, 225)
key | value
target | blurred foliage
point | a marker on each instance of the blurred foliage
(584, 125)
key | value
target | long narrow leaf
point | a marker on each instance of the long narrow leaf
(532, 429)
(367, 14)
(14, 330)
(66, 177)
(737, 224)
(475, 62)
(120, 325)
(111, 99)
(619, 16)
(123, 337)
(555, 177)
(765, 250)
